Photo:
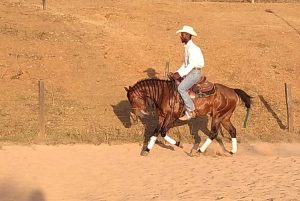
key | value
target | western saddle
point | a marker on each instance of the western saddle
(202, 89)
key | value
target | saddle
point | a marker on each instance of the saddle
(203, 86)
(202, 89)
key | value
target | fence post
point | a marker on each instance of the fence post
(289, 107)
(44, 4)
(41, 108)
(167, 69)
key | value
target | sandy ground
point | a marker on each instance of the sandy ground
(259, 171)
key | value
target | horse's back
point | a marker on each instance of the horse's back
(226, 92)
(224, 89)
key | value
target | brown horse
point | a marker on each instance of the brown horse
(169, 107)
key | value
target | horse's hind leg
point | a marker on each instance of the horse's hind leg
(232, 131)
(220, 141)
(164, 129)
(215, 124)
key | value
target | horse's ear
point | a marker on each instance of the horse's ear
(128, 89)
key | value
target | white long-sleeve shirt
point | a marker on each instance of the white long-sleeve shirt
(193, 59)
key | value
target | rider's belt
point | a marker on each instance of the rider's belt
(197, 68)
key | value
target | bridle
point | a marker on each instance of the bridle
(139, 96)
(175, 92)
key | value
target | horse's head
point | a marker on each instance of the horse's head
(138, 104)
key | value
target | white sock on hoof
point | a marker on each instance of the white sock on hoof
(205, 145)
(234, 145)
(151, 142)
(170, 140)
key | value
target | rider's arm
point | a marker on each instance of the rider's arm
(182, 67)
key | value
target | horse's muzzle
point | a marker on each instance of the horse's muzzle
(133, 118)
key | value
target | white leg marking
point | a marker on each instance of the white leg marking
(205, 145)
(170, 140)
(234, 145)
(151, 142)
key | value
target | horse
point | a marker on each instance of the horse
(169, 106)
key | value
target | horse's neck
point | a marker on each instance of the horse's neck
(163, 94)
(160, 89)
(153, 90)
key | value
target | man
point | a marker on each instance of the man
(190, 70)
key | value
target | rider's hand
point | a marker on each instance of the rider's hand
(170, 75)
(176, 76)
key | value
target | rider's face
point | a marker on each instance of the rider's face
(185, 37)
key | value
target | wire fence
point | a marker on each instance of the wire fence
(68, 119)
(91, 119)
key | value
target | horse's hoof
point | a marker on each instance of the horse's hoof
(195, 153)
(144, 153)
(224, 154)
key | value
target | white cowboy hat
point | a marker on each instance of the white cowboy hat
(187, 29)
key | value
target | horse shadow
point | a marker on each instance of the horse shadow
(122, 111)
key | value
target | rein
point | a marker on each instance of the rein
(175, 86)
(175, 92)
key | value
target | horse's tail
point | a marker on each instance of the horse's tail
(246, 98)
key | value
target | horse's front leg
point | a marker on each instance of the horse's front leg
(153, 137)
(169, 139)
(164, 123)
(151, 142)
(169, 120)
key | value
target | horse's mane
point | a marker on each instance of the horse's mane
(150, 81)
(153, 86)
